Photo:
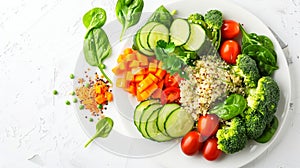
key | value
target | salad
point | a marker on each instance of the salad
(200, 78)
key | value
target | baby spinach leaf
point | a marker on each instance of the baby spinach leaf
(161, 15)
(128, 13)
(94, 18)
(96, 48)
(103, 128)
(234, 105)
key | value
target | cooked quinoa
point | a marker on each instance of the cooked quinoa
(210, 81)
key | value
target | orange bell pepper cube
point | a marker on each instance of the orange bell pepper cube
(100, 99)
(121, 83)
(142, 58)
(138, 78)
(152, 77)
(130, 57)
(160, 73)
(152, 67)
(148, 92)
(134, 64)
(109, 96)
(144, 84)
(129, 76)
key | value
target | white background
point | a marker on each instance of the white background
(40, 41)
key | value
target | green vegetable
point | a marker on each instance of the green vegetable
(197, 18)
(174, 59)
(161, 15)
(234, 105)
(255, 123)
(75, 100)
(103, 128)
(128, 13)
(91, 120)
(94, 18)
(99, 106)
(73, 93)
(232, 136)
(55, 92)
(247, 69)
(87, 85)
(269, 131)
(72, 76)
(96, 48)
(261, 49)
(81, 107)
(68, 102)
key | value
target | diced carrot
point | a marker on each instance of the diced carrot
(130, 57)
(131, 88)
(160, 65)
(142, 58)
(151, 88)
(143, 64)
(138, 78)
(155, 61)
(123, 66)
(143, 96)
(139, 71)
(100, 99)
(160, 73)
(121, 58)
(116, 70)
(109, 96)
(128, 51)
(152, 77)
(152, 67)
(134, 64)
(121, 83)
(129, 76)
(144, 84)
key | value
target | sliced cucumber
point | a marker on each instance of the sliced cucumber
(180, 31)
(159, 32)
(139, 111)
(152, 130)
(140, 47)
(178, 123)
(163, 114)
(196, 39)
(144, 117)
(144, 32)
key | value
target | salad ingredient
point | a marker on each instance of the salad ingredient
(261, 49)
(269, 131)
(163, 115)
(191, 143)
(180, 31)
(255, 123)
(210, 149)
(139, 109)
(229, 51)
(233, 106)
(247, 69)
(55, 92)
(196, 39)
(158, 32)
(68, 102)
(170, 95)
(209, 85)
(75, 100)
(214, 20)
(128, 13)
(161, 15)
(96, 48)
(230, 29)
(172, 80)
(143, 35)
(208, 125)
(103, 128)
(81, 107)
(72, 76)
(147, 112)
(197, 18)
(91, 120)
(94, 18)
(232, 136)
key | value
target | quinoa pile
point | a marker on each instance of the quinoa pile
(210, 81)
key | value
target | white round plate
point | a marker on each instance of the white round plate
(126, 141)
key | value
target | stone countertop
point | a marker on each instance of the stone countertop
(39, 44)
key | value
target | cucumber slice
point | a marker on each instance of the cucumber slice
(178, 123)
(163, 114)
(196, 39)
(180, 31)
(159, 32)
(144, 32)
(145, 115)
(139, 111)
(140, 47)
(152, 129)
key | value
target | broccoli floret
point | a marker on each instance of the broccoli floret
(213, 19)
(265, 97)
(197, 18)
(255, 123)
(247, 69)
(232, 136)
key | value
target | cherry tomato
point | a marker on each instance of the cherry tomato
(230, 29)
(210, 149)
(170, 95)
(191, 143)
(171, 80)
(208, 125)
(229, 51)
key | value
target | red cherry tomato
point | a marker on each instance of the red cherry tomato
(208, 125)
(230, 29)
(191, 143)
(170, 95)
(229, 51)
(171, 81)
(210, 149)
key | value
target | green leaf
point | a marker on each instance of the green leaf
(94, 18)
(103, 128)
(161, 15)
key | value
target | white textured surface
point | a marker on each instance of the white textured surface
(39, 44)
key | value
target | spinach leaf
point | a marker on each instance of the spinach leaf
(94, 18)
(269, 131)
(234, 105)
(96, 48)
(161, 15)
(264, 58)
(128, 13)
(103, 128)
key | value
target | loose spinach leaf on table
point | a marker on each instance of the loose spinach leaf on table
(94, 18)
(103, 128)
(234, 105)
(129, 13)
(96, 48)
